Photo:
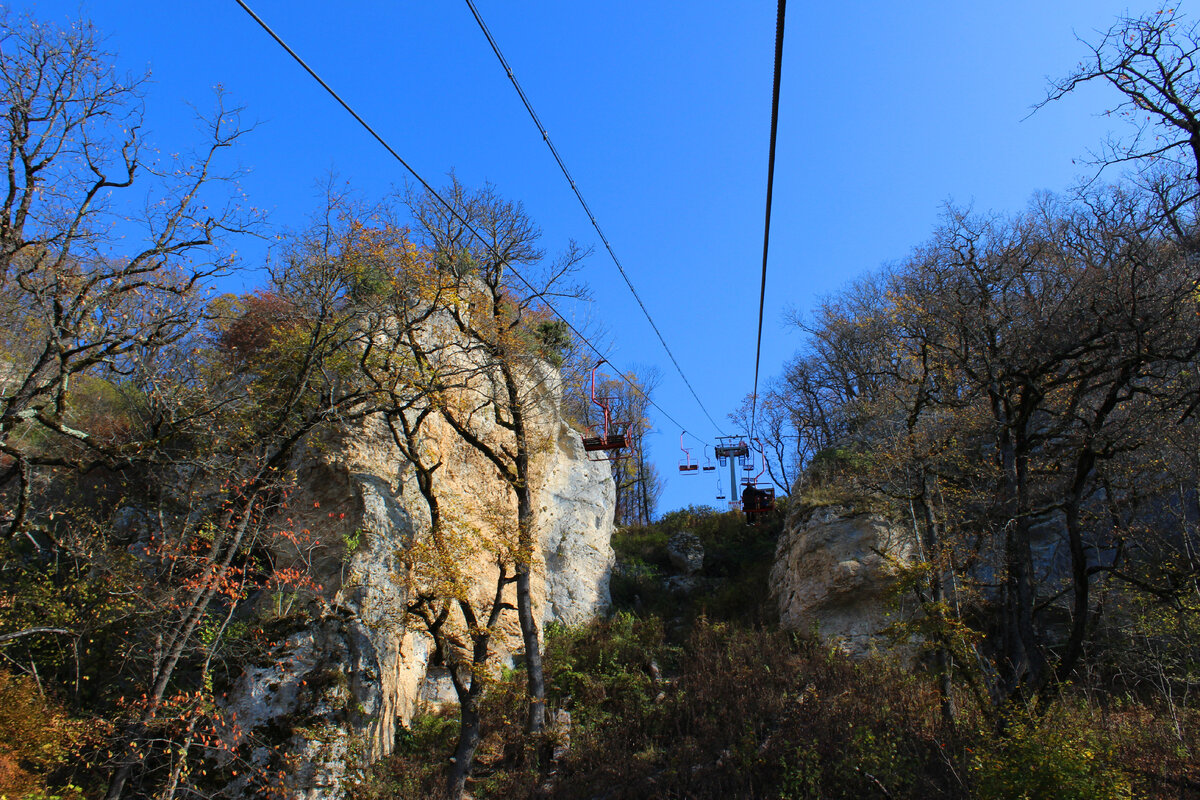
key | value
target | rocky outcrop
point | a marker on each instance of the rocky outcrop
(334, 691)
(685, 551)
(833, 570)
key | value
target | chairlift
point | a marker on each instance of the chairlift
(611, 444)
(730, 447)
(708, 465)
(686, 467)
(757, 500)
(720, 488)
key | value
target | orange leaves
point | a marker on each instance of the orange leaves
(293, 578)
(264, 317)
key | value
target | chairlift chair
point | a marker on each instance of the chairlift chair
(708, 465)
(757, 500)
(610, 445)
(686, 467)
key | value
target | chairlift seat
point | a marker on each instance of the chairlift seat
(759, 501)
(614, 442)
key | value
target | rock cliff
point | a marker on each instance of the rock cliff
(832, 572)
(337, 687)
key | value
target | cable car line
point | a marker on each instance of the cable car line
(762, 292)
(366, 126)
(579, 195)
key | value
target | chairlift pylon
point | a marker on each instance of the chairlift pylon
(730, 447)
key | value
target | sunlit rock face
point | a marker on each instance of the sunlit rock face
(832, 573)
(356, 667)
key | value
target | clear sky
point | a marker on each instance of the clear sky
(661, 110)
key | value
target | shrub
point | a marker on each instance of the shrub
(1056, 756)
(415, 770)
(37, 740)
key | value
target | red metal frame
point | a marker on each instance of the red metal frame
(759, 500)
(609, 446)
(686, 467)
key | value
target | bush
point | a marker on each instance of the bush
(737, 563)
(37, 743)
(1056, 756)
(415, 770)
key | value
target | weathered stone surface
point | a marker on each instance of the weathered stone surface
(685, 552)
(576, 520)
(832, 572)
(359, 499)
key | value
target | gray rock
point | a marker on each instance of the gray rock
(333, 693)
(683, 584)
(686, 552)
(833, 570)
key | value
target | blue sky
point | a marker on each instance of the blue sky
(661, 110)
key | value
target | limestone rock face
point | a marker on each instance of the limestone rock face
(577, 504)
(337, 687)
(833, 569)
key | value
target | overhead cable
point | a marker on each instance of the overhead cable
(366, 126)
(762, 291)
(579, 195)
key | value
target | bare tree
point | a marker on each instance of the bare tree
(1151, 61)
(501, 314)
(71, 301)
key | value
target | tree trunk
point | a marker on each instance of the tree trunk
(527, 546)
(536, 720)
(943, 660)
(645, 491)
(1022, 664)
(468, 742)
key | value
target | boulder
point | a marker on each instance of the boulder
(833, 571)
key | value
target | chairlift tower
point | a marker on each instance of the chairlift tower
(734, 451)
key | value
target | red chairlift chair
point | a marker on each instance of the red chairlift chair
(610, 445)
(757, 500)
(686, 467)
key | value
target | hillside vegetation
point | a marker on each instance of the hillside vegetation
(699, 695)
